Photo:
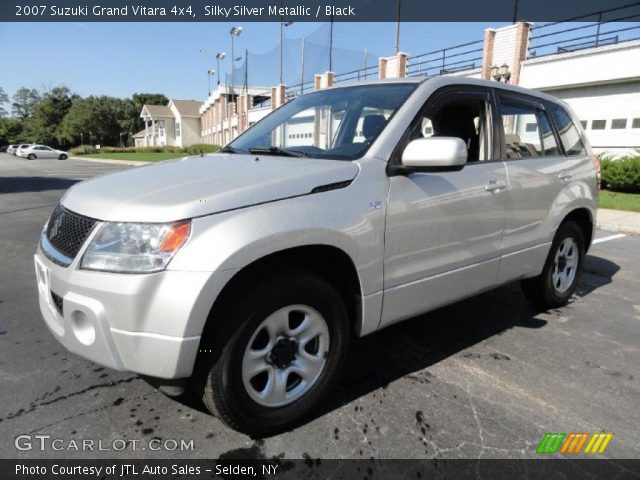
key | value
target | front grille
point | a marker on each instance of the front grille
(57, 301)
(67, 231)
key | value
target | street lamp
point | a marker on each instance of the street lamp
(282, 25)
(234, 32)
(501, 73)
(121, 145)
(81, 138)
(90, 137)
(210, 73)
(219, 56)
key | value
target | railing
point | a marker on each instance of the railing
(466, 56)
(295, 90)
(357, 75)
(553, 38)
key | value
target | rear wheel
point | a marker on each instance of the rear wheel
(288, 348)
(31, 156)
(559, 278)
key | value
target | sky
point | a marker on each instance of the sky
(119, 59)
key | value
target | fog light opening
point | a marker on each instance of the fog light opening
(82, 327)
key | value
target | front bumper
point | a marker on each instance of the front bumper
(148, 324)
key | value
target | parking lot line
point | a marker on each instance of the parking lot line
(610, 237)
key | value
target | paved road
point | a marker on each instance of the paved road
(484, 378)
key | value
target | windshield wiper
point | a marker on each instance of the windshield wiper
(277, 151)
(229, 149)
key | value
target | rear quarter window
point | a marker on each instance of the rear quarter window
(569, 133)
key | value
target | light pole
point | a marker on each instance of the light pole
(90, 137)
(234, 32)
(282, 25)
(219, 56)
(210, 73)
(121, 145)
(398, 27)
(81, 138)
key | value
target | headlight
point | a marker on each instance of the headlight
(135, 247)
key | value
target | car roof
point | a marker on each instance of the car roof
(445, 80)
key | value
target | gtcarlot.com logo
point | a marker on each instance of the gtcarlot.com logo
(574, 443)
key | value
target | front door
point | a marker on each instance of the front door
(444, 230)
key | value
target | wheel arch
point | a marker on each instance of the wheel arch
(584, 218)
(327, 261)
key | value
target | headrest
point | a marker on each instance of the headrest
(511, 138)
(373, 125)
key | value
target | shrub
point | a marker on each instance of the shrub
(621, 175)
(201, 147)
(83, 150)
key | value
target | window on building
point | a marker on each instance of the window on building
(569, 134)
(635, 123)
(177, 130)
(531, 127)
(619, 123)
(598, 124)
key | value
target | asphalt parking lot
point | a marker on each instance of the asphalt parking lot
(487, 377)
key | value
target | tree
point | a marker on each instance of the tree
(98, 118)
(10, 131)
(24, 101)
(4, 98)
(48, 114)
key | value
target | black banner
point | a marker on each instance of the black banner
(302, 10)
(311, 468)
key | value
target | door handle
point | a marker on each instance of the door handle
(565, 176)
(495, 185)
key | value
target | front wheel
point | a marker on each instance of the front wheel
(288, 348)
(559, 278)
(62, 157)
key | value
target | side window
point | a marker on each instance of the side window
(522, 130)
(457, 115)
(569, 134)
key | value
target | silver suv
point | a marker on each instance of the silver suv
(340, 213)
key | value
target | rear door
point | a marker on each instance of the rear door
(538, 171)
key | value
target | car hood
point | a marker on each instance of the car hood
(198, 186)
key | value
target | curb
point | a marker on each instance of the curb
(112, 161)
(616, 228)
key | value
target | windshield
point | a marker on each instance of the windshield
(339, 123)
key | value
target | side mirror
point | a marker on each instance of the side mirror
(435, 154)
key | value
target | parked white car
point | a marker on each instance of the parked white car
(40, 151)
(12, 149)
(251, 270)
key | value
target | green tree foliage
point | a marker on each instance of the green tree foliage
(4, 98)
(98, 118)
(10, 131)
(48, 114)
(58, 116)
(24, 102)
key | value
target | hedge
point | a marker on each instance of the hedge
(622, 175)
(190, 150)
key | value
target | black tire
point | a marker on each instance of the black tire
(31, 156)
(540, 290)
(220, 375)
(62, 157)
